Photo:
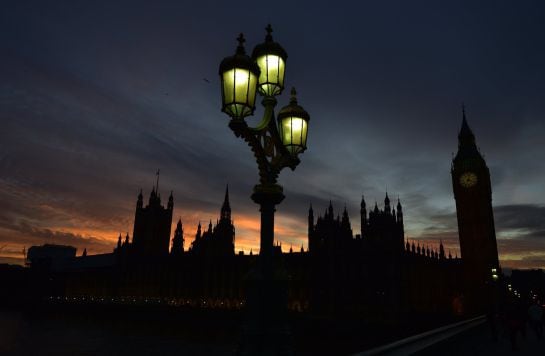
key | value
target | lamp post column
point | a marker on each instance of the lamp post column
(266, 285)
(267, 196)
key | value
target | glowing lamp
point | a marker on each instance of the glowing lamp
(238, 75)
(293, 126)
(271, 59)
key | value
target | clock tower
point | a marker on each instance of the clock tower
(473, 194)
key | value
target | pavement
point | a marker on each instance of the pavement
(479, 341)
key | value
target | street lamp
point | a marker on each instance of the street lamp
(276, 144)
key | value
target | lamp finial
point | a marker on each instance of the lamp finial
(293, 99)
(241, 40)
(269, 30)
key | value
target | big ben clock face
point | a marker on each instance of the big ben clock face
(468, 179)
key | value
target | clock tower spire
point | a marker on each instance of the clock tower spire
(473, 194)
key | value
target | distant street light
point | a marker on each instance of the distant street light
(275, 145)
(494, 272)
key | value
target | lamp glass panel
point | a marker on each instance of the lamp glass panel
(294, 133)
(271, 79)
(239, 86)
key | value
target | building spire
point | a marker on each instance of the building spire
(466, 136)
(157, 184)
(140, 200)
(225, 213)
(467, 147)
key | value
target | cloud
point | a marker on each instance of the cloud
(24, 234)
(527, 219)
(88, 112)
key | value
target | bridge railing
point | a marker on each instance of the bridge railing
(424, 340)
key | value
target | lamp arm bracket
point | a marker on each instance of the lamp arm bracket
(269, 102)
(265, 142)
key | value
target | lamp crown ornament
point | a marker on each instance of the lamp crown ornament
(240, 47)
(293, 98)
(269, 30)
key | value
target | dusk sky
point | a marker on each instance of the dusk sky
(95, 96)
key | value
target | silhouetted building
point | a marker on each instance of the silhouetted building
(50, 256)
(218, 240)
(378, 273)
(151, 234)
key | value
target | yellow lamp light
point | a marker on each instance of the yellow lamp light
(271, 59)
(238, 75)
(293, 126)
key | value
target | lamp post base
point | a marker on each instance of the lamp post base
(265, 330)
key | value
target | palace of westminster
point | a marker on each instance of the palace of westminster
(370, 273)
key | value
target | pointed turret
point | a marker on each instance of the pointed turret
(363, 216)
(330, 210)
(126, 239)
(199, 233)
(345, 219)
(210, 226)
(441, 250)
(178, 240)
(399, 212)
(84, 252)
(376, 208)
(170, 201)
(387, 208)
(302, 248)
(225, 213)
(140, 200)
(152, 197)
(119, 241)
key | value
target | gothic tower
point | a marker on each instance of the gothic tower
(473, 194)
(225, 213)
(178, 240)
(152, 224)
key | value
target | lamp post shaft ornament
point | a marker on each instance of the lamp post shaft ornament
(275, 142)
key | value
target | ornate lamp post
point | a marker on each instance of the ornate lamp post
(276, 144)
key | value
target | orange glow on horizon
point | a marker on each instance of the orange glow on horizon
(98, 237)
